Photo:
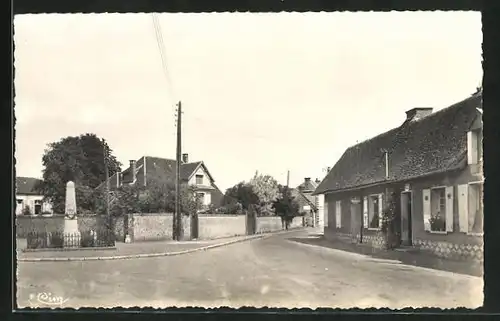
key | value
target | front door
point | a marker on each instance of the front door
(355, 221)
(406, 229)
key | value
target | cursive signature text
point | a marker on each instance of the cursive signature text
(48, 298)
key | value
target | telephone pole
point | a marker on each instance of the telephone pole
(106, 175)
(178, 215)
(287, 178)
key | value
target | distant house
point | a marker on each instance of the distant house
(28, 199)
(146, 169)
(432, 167)
(311, 206)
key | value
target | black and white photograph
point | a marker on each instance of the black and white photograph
(280, 160)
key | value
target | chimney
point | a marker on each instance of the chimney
(307, 180)
(132, 168)
(418, 113)
(318, 181)
(185, 158)
(328, 169)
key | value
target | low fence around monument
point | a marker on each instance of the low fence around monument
(87, 239)
(55, 223)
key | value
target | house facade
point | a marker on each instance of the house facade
(28, 200)
(430, 167)
(311, 206)
(147, 169)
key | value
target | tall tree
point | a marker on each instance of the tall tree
(79, 159)
(266, 188)
(241, 193)
(286, 205)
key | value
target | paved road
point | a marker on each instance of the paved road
(273, 272)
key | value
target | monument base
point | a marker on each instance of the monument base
(71, 233)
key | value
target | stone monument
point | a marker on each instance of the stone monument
(71, 233)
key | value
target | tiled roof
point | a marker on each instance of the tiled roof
(308, 186)
(26, 185)
(156, 168)
(434, 144)
(303, 199)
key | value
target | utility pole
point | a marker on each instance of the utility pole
(178, 216)
(106, 175)
(287, 178)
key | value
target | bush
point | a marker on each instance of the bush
(36, 240)
(56, 240)
(26, 210)
(87, 239)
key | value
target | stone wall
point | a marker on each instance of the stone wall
(155, 227)
(218, 226)
(269, 224)
(454, 251)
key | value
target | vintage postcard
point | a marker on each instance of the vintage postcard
(287, 160)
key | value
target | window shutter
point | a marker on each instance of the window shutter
(449, 208)
(380, 209)
(463, 207)
(338, 217)
(325, 211)
(472, 147)
(426, 198)
(365, 212)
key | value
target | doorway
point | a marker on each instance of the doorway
(406, 218)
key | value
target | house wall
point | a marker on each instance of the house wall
(206, 178)
(219, 226)
(29, 201)
(453, 244)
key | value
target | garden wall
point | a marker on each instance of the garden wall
(155, 227)
(268, 224)
(211, 226)
(55, 223)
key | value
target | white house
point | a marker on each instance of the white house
(28, 199)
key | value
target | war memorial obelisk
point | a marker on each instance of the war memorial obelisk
(71, 233)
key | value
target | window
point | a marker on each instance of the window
(201, 197)
(338, 214)
(38, 207)
(374, 211)
(438, 210)
(470, 208)
(199, 179)
(19, 201)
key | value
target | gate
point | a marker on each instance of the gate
(194, 226)
(251, 222)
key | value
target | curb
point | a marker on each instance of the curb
(150, 255)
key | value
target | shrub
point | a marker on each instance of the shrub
(86, 239)
(36, 240)
(56, 240)
(26, 210)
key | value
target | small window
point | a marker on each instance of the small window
(19, 201)
(199, 179)
(438, 210)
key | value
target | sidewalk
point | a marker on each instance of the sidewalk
(155, 248)
(413, 257)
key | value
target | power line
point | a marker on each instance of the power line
(161, 47)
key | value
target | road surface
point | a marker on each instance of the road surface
(272, 272)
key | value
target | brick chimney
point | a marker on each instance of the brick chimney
(418, 113)
(132, 169)
(185, 158)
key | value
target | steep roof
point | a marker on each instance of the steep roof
(157, 168)
(434, 144)
(26, 185)
(303, 199)
(309, 185)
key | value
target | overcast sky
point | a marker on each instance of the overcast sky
(267, 92)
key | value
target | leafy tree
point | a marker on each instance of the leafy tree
(266, 188)
(241, 193)
(79, 159)
(286, 205)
